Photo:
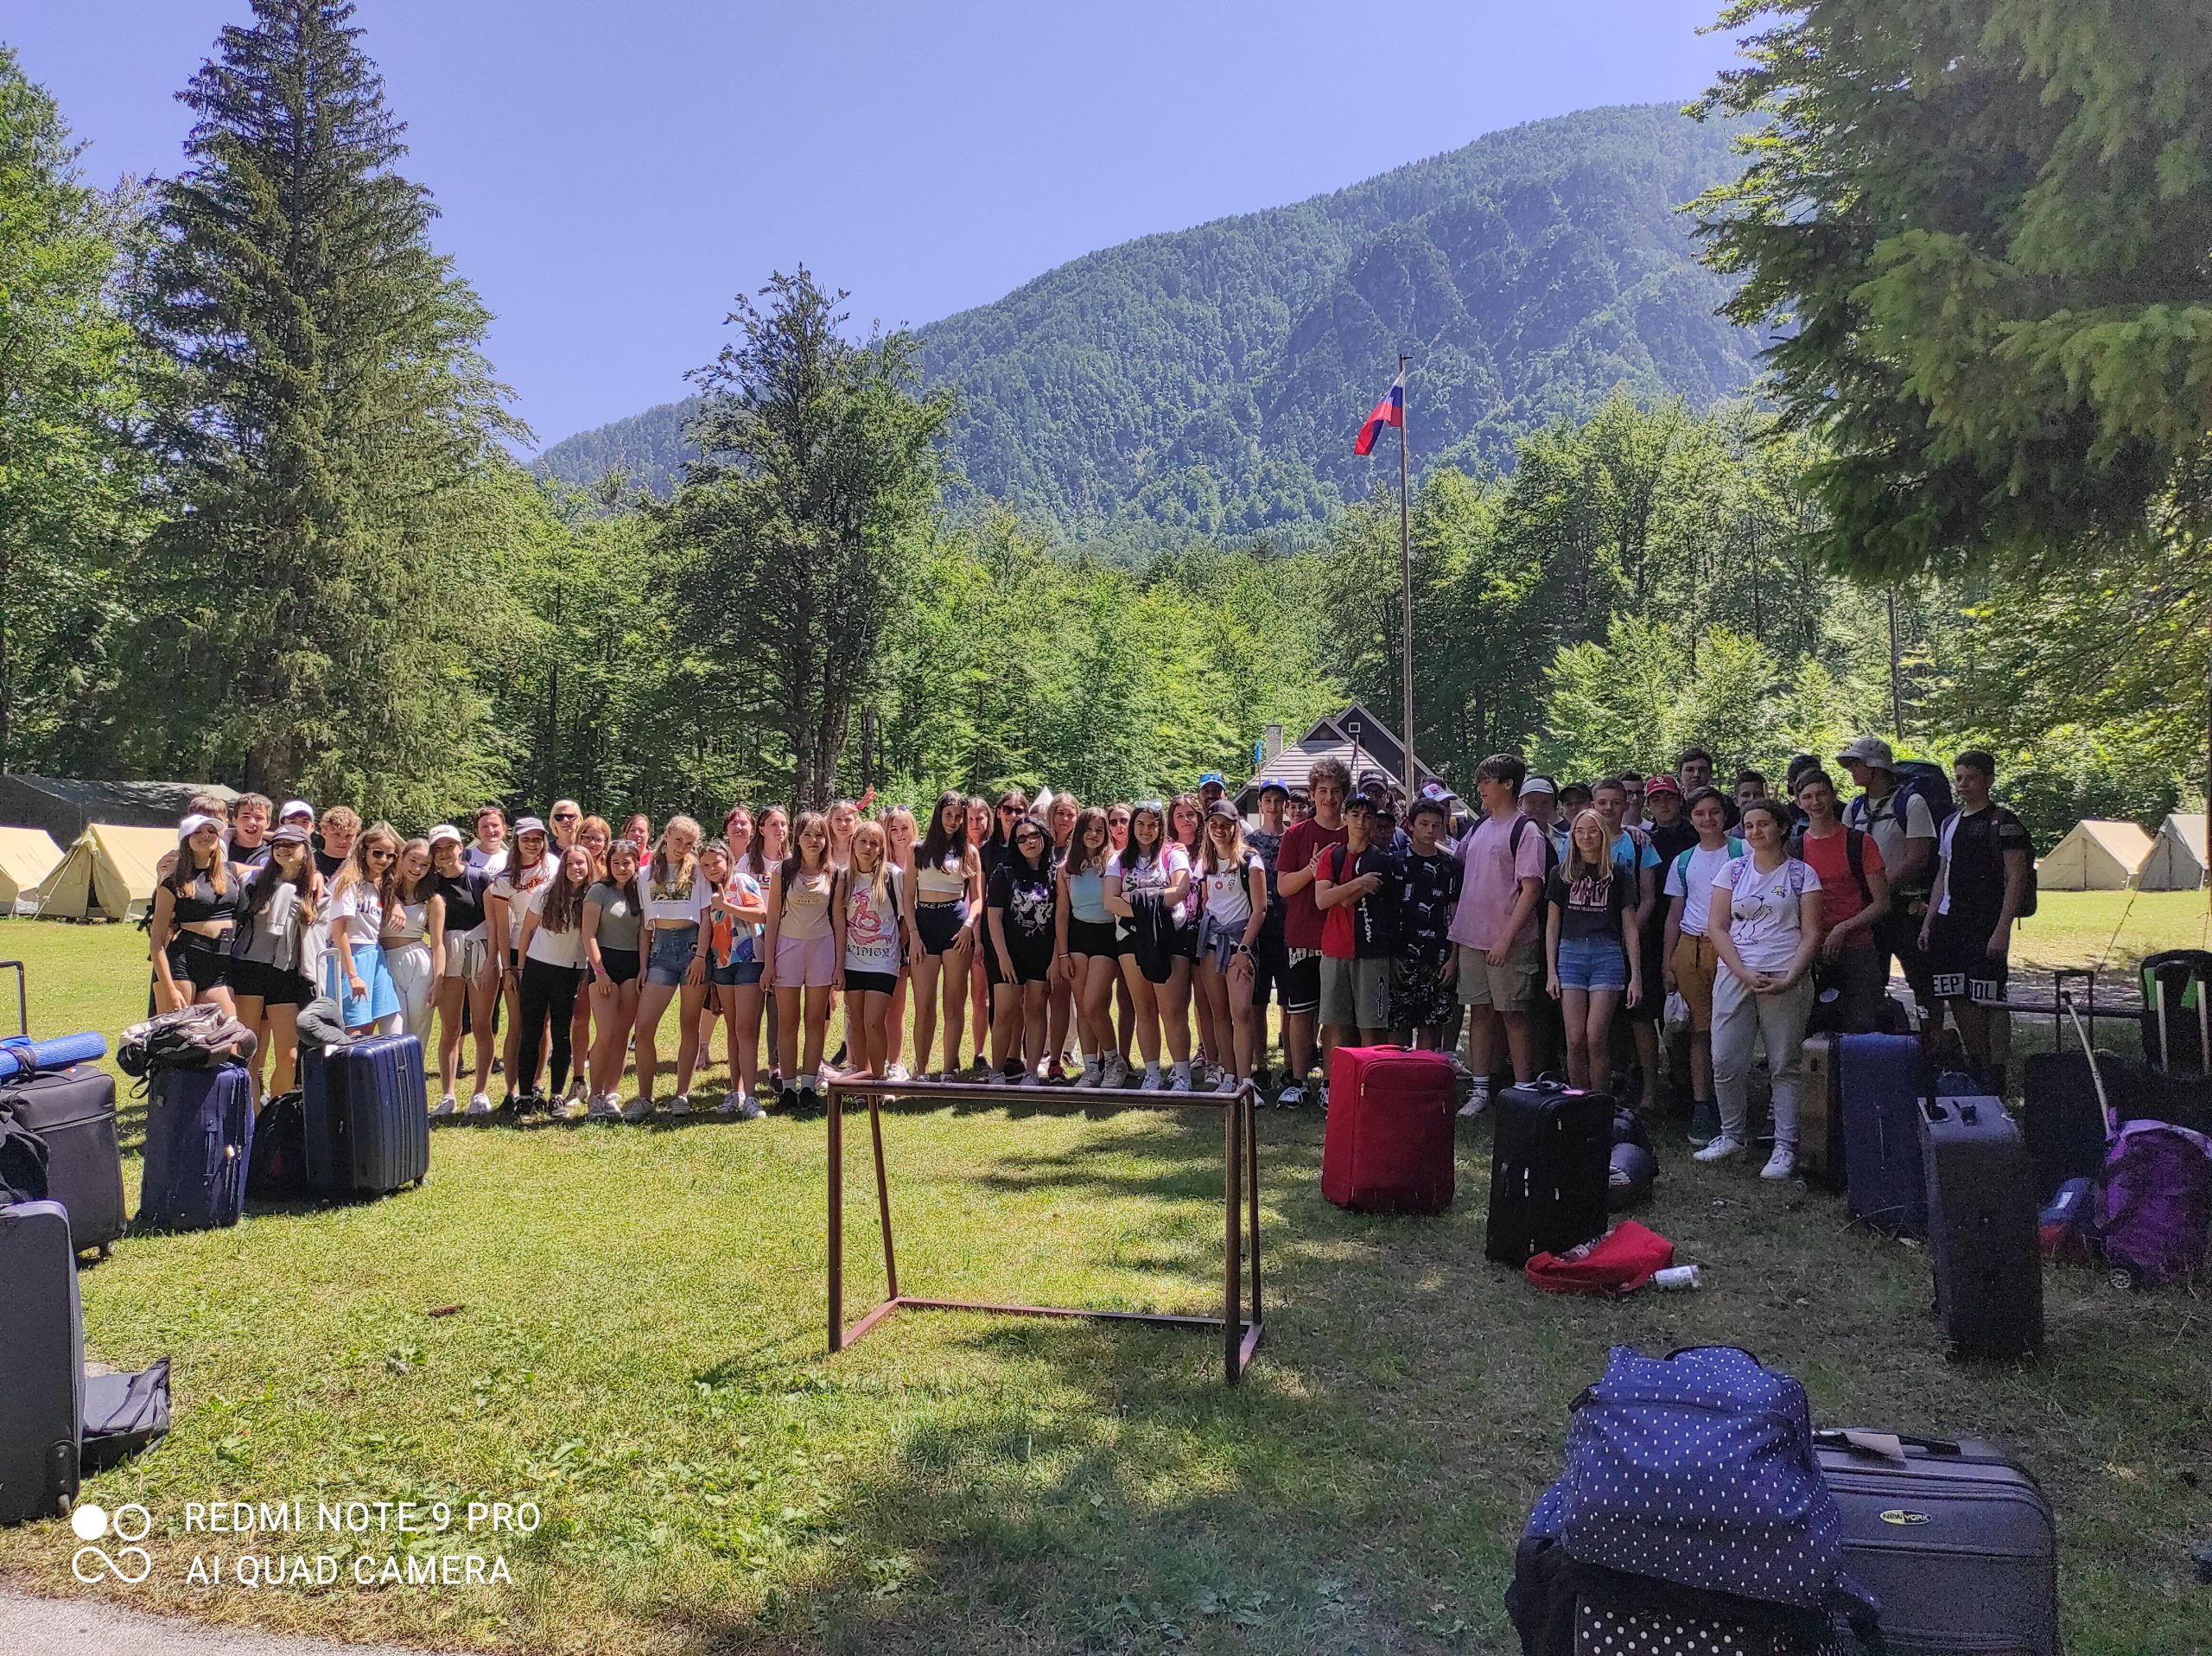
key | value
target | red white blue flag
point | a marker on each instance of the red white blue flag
(1391, 410)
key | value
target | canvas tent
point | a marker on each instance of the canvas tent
(27, 857)
(2094, 857)
(66, 806)
(2176, 859)
(108, 873)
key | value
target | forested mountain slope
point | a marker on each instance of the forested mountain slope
(1209, 382)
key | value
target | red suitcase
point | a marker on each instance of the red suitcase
(1387, 1147)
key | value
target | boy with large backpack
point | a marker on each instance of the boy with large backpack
(1985, 880)
(1902, 806)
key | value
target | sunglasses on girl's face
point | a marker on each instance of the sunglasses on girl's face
(1009, 811)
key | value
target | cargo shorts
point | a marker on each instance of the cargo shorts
(1509, 988)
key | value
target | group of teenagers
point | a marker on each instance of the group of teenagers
(1124, 944)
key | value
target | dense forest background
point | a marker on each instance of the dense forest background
(261, 522)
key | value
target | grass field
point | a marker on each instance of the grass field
(639, 1349)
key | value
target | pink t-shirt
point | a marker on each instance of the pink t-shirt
(1493, 873)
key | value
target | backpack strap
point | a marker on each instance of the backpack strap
(1855, 851)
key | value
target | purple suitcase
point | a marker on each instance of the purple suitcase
(367, 1115)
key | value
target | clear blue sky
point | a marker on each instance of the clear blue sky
(611, 171)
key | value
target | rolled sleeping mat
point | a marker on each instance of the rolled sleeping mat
(55, 1051)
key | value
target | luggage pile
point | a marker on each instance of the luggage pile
(1831, 1537)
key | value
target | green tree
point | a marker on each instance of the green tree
(806, 516)
(72, 384)
(1985, 224)
(319, 603)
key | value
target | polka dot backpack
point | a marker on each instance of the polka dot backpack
(1698, 1469)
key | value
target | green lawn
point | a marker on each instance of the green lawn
(639, 1350)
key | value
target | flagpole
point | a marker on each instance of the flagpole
(1405, 595)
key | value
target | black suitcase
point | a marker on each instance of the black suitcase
(1954, 1540)
(1981, 1228)
(74, 1111)
(41, 1363)
(199, 1141)
(1881, 1081)
(367, 1111)
(2061, 1118)
(1550, 1165)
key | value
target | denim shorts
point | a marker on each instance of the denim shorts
(671, 955)
(1593, 963)
(737, 974)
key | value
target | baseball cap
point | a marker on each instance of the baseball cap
(1539, 785)
(1212, 776)
(196, 822)
(1871, 750)
(1223, 810)
(295, 808)
(1434, 791)
(527, 826)
(444, 832)
(1663, 784)
(1272, 787)
(290, 834)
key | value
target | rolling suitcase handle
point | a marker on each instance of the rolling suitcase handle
(22, 997)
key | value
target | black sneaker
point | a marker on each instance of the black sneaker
(1264, 1086)
(787, 1100)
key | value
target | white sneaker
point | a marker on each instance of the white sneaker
(1117, 1073)
(1089, 1077)
(446, 1107)
(729, 1106)
(578, 1091)
(1228, 1082)
(748, 1109)
(896, 1072)
(1292, 1097)
(603, 1108)
(479, 1103)
(1030, 1078)
(1477, 1101)
(637, 1109)
(1720, 1149)
(1181, 1080)
(1151, 1082)
(680, 1105)
(1782, 1164)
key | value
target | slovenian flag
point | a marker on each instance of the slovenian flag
(1391, 410)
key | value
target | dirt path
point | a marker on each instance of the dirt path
(83, 1626)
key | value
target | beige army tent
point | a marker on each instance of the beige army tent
(2176, 859)
(107, 875)
(2094, 857)
(27, 857)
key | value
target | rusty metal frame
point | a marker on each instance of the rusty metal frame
(1240, 1179)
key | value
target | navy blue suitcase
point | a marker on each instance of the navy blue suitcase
(366, 1110)
(1550, 1170)
(1881, 1079)
(199, 1141)
(41, 1362)
(1982, 1242)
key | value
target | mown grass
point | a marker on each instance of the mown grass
(640, 1349)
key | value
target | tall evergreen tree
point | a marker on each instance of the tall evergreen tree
(1988, 224)
(808, 514)
(71, 388)
(316, 605)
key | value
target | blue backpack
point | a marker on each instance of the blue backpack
(1698, 1469)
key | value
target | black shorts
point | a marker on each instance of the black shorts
(1095, 937)
(270, 985)
(1302, 984)
(1959, 966)
(1653, 1004)
(939, 923)
(1030, 966)
(203, 962)
(1897, 934)
(870, 982)
(622, 964)
(1270, 962)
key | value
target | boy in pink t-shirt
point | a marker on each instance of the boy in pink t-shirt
(1495, 925)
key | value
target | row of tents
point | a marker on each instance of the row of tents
(2098, 856)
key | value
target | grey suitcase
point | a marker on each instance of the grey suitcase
(74, 1111)
(1955, 1539)
(1982, 1237)
(41, 1363)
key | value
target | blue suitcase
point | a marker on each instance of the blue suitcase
(1881, 1079)
(199, 1141)
(366, 1110)
(41, 1362)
